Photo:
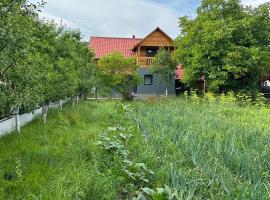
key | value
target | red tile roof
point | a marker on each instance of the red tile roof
(105, 45)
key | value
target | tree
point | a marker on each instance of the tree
(40, 62)
(227, 43)
(164, 65)
(119, 73)
(87, 70)
(19, 87)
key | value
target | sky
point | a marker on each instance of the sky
(122, 18)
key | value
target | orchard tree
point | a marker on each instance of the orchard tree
(227, 43)
(40, 62)
(19, 86)
(164, 65)
(42, 55)
(86, 70)
(119, 73)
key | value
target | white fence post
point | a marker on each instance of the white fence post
(17, 120)
(61, 104)
(73, 102)
(45, 112)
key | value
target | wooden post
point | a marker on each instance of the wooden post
(17, 120)
(139, 54)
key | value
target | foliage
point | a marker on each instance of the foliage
(18, 86)
(119, 73)
(165, 193)
(242, 99)
(164, 65)
(40, 62)
(228, 43)
(112, 141)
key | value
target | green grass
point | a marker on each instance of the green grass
(205, 151)
(59, 160)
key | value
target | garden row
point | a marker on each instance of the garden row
(115, 141)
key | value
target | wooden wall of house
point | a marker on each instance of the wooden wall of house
(143, 52)
(157, 38)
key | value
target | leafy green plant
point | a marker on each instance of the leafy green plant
(124, 108)
(112, 145)
(165, 193)
(194, 97)
(137, 171)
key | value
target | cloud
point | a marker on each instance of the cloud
(121, 18)
(254, 2)
(56, 19)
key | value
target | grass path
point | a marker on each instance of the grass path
(59, 160)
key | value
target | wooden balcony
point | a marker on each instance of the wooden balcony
(145, 61)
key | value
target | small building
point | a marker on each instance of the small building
(144, 51)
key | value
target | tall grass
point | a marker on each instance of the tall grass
(59, 160)
(207, 150)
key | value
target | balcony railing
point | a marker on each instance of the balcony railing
(145, 61)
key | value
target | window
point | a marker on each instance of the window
(151, 52)
(148, 80)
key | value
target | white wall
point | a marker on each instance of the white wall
(9, 125)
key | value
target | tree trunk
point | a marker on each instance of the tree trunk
(84, 96)
(61, 104)
(96, 93)
(45, 109)
(77, 98)
(73, 102)
(166, 91)
(127, 96)
(17, 120)
(204, 86)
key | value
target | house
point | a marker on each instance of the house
(144, 51)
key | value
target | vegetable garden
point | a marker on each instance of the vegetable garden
(159, 149)
(214, 146)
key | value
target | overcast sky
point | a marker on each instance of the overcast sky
(122, 18)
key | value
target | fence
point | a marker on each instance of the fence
(9, 125)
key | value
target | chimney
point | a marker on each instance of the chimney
(133, 36)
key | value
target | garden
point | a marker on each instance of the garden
(186, 148)
(210, 143)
